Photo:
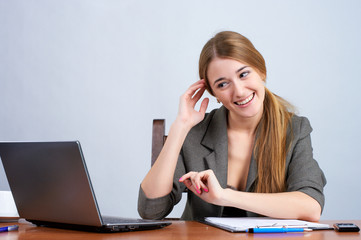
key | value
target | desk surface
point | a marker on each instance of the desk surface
(178, 230)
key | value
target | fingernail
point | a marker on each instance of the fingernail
(180, 179)
(198, 191)
(206, 190)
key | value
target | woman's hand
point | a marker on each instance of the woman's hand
(186, 113)
(205, 185)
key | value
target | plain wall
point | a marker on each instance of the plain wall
(99, 71)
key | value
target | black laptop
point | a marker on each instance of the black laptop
(51, 187)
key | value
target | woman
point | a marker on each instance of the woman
(253, 156)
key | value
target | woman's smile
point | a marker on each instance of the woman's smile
(244, 102)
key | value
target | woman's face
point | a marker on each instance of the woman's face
(238, 86)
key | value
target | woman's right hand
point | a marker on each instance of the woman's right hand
(186, 113)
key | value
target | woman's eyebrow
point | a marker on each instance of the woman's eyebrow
(218, 80)
(241, 69)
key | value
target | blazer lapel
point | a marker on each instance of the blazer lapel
(252, 174)
(216, 139)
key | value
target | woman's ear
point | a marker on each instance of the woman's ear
(263, 76)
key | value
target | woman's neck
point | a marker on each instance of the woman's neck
(245, 125)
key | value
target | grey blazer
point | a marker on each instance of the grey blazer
(206, 147)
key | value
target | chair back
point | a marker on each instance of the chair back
(158, 138)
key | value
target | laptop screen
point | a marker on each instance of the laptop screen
(50, 182)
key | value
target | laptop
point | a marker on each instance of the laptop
(51, 187)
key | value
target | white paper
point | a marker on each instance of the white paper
(244, 223)
(7, 205)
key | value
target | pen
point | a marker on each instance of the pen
(277, 230)
(9, 228)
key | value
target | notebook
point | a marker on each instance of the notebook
(242, 224)
(51, 187)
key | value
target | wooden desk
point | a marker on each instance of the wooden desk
(178, 230)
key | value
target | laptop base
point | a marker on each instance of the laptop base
(100, 229)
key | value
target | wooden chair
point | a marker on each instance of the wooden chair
(158, 138)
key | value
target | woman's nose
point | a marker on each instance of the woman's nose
(239, 89)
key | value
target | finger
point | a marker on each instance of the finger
(189, 185)
(204, 106)
(198, 95)
(195, 185)
(193, 88)
(210, 179)
(203, 186)
(203, 177)
(197, 84)
(200, 181)
(192, 181)
(186, 176)
(196, 181)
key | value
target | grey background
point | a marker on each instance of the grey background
(100, 71)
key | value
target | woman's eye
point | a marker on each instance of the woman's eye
(222, 85)
(244, 74)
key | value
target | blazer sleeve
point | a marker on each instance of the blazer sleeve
(304, 173)
(159, 208)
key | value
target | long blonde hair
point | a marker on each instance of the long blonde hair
(271, 144)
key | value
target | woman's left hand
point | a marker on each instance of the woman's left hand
(205, 185)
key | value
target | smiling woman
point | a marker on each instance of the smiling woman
(252, 156)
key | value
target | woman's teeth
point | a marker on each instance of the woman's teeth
(245, 101)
